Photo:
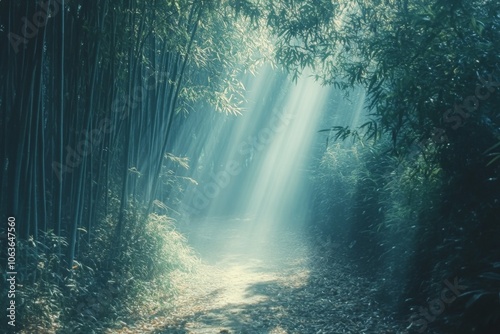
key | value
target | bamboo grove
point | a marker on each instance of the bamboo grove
(90, 93)
(93, 95)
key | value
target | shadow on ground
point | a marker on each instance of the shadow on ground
(312, 296)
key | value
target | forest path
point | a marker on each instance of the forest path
(274, 285)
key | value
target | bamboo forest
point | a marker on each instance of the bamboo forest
(250, 166)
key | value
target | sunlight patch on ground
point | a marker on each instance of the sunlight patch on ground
(289, 289)
(238, 279)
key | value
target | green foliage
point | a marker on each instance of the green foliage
(228, 44)
(405, 188)
(39, 282)
(415, 205)
(477, 309)
(495, 155)
(412, 189)
(133, 66)
(370, 200)
(342, 172)
(367, 132)
(99, 292)
(415, 59)
(133, 283)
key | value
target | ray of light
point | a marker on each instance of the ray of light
(255, 166)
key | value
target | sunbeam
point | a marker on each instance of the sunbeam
(273, 194)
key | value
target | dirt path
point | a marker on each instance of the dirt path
(269, 285)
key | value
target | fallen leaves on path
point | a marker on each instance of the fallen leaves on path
(291, 289)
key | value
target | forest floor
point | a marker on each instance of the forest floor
(280, 284)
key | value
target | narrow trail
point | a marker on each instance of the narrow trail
(281, 286)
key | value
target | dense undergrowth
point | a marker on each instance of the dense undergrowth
(106, 286)
(412, 224)
(416, 200)
(95, 96)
